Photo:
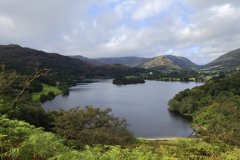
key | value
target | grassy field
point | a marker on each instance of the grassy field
(131, 77)
(46, 89)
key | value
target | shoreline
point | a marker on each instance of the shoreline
(162, 139)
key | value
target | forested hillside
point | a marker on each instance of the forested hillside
(160, 62)
(91, 133)
(24, 61)
(215, 107)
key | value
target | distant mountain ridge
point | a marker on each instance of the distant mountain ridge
(23, 61)
(17, 57)
(230, 59)
(159, 62)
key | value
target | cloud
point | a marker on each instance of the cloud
(199, 30)
(147, 8)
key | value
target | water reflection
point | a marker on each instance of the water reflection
(177, 116)
(143, 105)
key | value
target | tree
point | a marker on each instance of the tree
(51, 95)
(6, 79)
(65, 90)
(38, 73)
(92, 126)
(43, 97)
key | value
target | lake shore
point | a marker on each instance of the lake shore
(162, 139)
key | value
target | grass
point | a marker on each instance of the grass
(174, 79)
(131, 77)
(46, 89)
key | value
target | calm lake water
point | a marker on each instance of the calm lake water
(143, 105)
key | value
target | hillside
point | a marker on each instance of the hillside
(92, 61)
(161, 62)
(24, 59)
(126, 61)
(230, 59)
(148, 63)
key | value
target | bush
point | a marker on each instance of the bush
(43, 98)
(92, 126)
(51, 95)
(65, 90)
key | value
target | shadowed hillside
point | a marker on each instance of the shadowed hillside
(160, 62)
(230, 59)
(126, 61)
(24, 59)
(92, 61)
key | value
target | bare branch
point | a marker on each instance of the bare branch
(38, 73)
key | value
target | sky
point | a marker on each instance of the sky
(200, 30)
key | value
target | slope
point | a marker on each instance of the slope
(92, 61)
(162, 62)
(24, 59)
(126, 61)
(228, 60)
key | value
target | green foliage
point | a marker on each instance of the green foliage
(50, 95)
(7, 109)
(46, 89)
(124, 80)
(65, 90)
(92, 126)
(43, 98)
(20, 140)
(35, 86)
(215, 106)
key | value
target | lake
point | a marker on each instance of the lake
(143, 105)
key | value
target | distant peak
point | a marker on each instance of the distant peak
(14, 45)
(11, 45)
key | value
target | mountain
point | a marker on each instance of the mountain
(126, 61)
(162, 62)
(92, 61)
(230, 59)
(23, 60)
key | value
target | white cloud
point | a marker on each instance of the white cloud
(150, 8)
(94, 24)
(123, 28)
(114, 42)
(6, 23)
(222, 11)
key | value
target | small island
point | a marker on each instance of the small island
(124, 80)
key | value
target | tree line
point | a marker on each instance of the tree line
(215, 107)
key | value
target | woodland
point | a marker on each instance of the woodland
(28, 132)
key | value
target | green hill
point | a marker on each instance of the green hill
(23, 60)
(159, 62)
(169, 61)
(228, 60)
(126, 61)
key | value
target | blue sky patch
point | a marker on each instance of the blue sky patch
(94, 10)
